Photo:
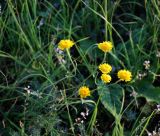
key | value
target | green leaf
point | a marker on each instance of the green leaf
(90, 48)
(147, 90)
(110, 97)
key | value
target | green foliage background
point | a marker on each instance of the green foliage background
(39, 93)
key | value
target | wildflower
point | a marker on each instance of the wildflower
(65, 44)
(84, 92)
(27, 89)
(158, 107)
(40, 23)
(21, 124)
(146, 64)
(58, 51)
(124, 75)
(61, 60)
(83, 115)
(106, 78)
(134, 93)
(140, 76)
(79, 121)
(154, 133)
(105, 68)
(158, 54)
(87, 111)
(0, 9)
(60, 56)
(105, 46)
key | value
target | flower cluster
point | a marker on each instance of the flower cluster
(123, 75)
(146, 64)
(105, 68)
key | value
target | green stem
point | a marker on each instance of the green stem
(69, 116)
(147, 123)
(93, 118)
(106, 17)
(104, 58)
(70, 58)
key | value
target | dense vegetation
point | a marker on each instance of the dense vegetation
(40, 81)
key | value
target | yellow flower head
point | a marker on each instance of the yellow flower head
(105, 46)
(106, 78)
(65, 44)
(124, 75)
(84, 92)
(105, 68)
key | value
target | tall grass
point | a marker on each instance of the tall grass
(39, 83)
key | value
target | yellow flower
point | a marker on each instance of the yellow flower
(65, 44)
(105, 68)
(124, 75)
(105, 46)
(84, 92)
(106, 78)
